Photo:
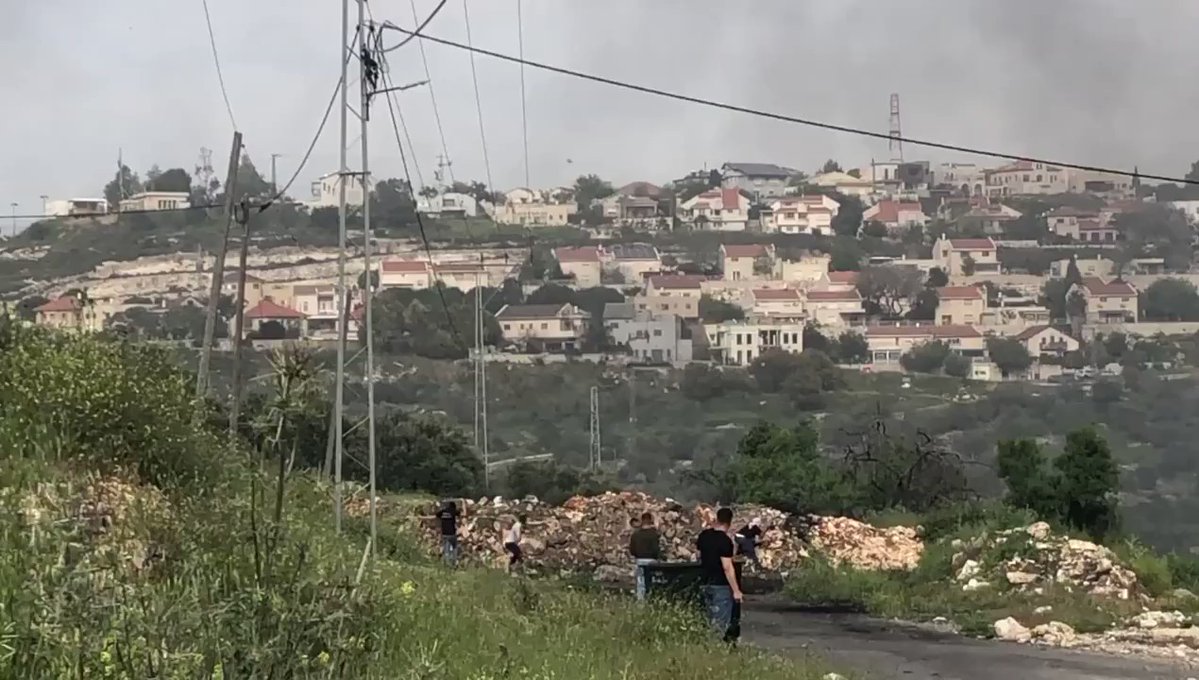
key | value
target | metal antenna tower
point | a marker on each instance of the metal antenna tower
(595, 456)
(896, 143)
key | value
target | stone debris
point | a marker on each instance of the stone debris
(1055, 633)
(1010, 630)
(848, 541)
(1158, 619)
(589, 532)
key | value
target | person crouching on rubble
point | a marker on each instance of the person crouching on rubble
(748, 540)
(645, 546)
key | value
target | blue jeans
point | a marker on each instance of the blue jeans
(639, 577)
(449, 550)
(719, 602)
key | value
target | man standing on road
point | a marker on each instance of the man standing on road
(448, 518)
(720, 588)
(645, 545)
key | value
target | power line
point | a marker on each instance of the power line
(216, 58)
(524, 107)
(419, 221)
(415, 33)
(1004, 155)
(433, 97)
(474, 75)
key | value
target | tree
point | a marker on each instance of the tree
(174, 179)
(551, 482)
(1155, 230)
(875, 229)
(956, 366)
(124, 184)
(1088, 482)
(712, 310)
(848, 220)
(927, 357)
(428, 191)
(968, 265)
(552, 294)
(852, 348)
(924, 307)
(392, 203)
(784, 468)
(1171, 300)
(590, 188)
(831, 166)
(26, 309)
(701, 382)
(814, 339)
(813, 369)
(426, 454)
(888, 290)
(937, 278)
(1023, 468)
(250, 184)
(1009, 354)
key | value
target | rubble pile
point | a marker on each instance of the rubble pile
(862, 546)
(1151, 633)
(591, 533)
(1038, 558)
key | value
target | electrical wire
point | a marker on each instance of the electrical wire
(419, 28)
(424, 237)
(474, 75)
(645, 89)
(445, 151)
(524, 106)
(216, 58)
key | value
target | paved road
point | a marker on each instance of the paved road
(886, 651)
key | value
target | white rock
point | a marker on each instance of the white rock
(969, 570)
(1021, 578)
(833, 676)
(1011, 630)
(1054, 633)
(1039, 530)
(1156, 619)
(1043, 609)
(975, 584)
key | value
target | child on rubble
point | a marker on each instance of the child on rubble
(510, 537)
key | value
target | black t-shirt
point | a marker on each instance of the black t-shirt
(713, 545)
(449, 521)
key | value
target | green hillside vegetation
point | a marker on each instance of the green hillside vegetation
(136, 544)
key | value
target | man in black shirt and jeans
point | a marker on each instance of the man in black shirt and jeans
(448, 518)
(720, 588)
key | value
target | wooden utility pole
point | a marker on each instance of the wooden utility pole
(243, 218)
(218, 274)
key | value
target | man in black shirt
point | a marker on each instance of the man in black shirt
(645, 545)
(448, 518)
(720, 588)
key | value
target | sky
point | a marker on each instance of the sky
(1105, 82)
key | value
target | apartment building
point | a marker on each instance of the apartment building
(651, 338)
(1108, 301)
(551, 328)
(746, 262)
(582, 263)
(888, 343)
(678, 295)
(738, 343)
(966, 256)
(960, 305)
(156, 200)
(834, 308)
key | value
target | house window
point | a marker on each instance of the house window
(545, 326)
(657, 332)
(507, 326)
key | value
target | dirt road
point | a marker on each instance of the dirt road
(886, 651)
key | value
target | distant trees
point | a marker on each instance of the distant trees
(124, 184)
(848, 220)
(1009, 354)
(830, 166)
(590, 188)
(702, 382)
(1079, 489)
(1170, 300)
(888, 290)
(926, 357)
(392, 204)
(956, 366)
(551, 481)
(712, 310)
(803, 377)
(1155, 230)
(173, 179)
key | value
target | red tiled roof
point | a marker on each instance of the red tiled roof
(849, 278)
(833, 296)
(458, 268)
(1032, 332)
(888, 211)
(776, 294)
(949, 331)
(959, 293)
(1116, 288)
(749, 250)
(678, 282)
(579, 254)
(269, 309)
(406, 266)
(1094, 225)
(971, 244)
(66, 303)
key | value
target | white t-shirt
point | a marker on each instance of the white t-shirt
(512, 534)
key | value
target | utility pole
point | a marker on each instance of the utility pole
(243, 218)
(218, 274)
(274, 184)
(342, 173)
(367, 75)
(14, 205)
(44, 198)
(596, 454)
(481, 438)
(632, 452)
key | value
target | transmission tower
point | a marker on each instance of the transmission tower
(595, 456)
(896, 143)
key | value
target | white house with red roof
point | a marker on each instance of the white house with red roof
(1045, 340)
(966, 256)
(840, 281)
(583, 263)
(888, 343)
(960, 305)
(834, 308)
(1112, 301)
(896, 216)
(1026, 178)
(557, 328)
(269, 320)
(776, 302)
(801, 215)
(738, 343)
(742, 262)
(412, 274)
(63, 312)
(717, 210)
